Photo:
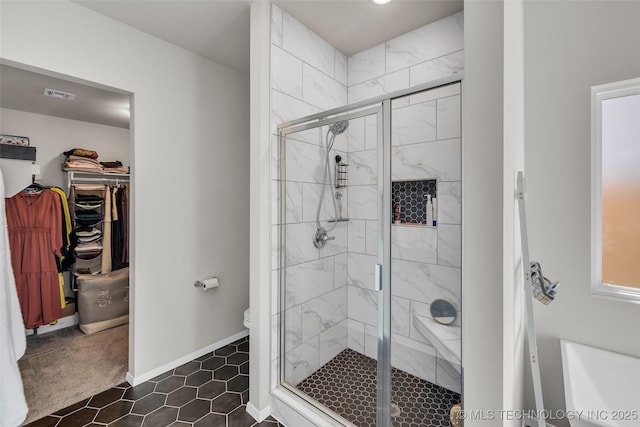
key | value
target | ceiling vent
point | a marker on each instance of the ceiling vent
(59, 94)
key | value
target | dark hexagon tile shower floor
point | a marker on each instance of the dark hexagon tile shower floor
(347, 386)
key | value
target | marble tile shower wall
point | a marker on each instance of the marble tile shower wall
(307, 76)
(425, 145)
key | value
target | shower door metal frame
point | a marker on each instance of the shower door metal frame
(368, 109)
(381, 106)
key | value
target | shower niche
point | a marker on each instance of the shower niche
(415, 202)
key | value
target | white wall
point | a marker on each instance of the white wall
(53, 135)
(191, 181)
(491, 153)
(569, 47)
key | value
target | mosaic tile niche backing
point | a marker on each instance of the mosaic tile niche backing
(411, 196)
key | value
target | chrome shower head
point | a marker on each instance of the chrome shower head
(339, 127)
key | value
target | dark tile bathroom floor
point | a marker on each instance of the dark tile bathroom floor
(211, 391)
(347, 386)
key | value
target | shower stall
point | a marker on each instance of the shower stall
(369, 258)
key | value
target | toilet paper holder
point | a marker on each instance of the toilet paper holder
(208, 283)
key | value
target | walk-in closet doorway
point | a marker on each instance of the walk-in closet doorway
(84, 145)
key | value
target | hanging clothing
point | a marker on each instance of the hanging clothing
(67, 245)
(106, 233)
(35, 237)
(13, 405)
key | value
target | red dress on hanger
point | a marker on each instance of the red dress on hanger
(35, 236)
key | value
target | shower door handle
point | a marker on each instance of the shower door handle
(378, 284)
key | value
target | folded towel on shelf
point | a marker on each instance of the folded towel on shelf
(85, 160)
(82, 152)
(114, 164)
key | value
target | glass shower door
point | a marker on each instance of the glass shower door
(369, 239)
(330, 202)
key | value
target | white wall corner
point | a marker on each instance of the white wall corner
(513, 290)
(260, 209)
(482, 236)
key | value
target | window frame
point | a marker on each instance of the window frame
(599, 94)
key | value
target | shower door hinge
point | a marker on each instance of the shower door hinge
(378, 285)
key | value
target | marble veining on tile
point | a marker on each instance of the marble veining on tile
(372, 237)
(449, 244)
(429, 160)
(414, 244)
(426, 43)
(310, 198)
(293, 327)
(449, 202)
(436, 69)
(307, 45)
(323, 312)
(363, 202)
(413, 124)
(276, 25)
(362, 305)
(285, 108)
(367, 65)
(357, 242)
(303, 162)
(321, 90)
(363, 167)
(355, 335)
(341, 276)
(293, 201)
(400, 308)
(299, 248)
(426, 282)
(341, 65)
(371, 132)
(286, 72)
(379, 86)
(302, 361)
(308, 280)
(361, 270)
(449, 125)
(333, 341)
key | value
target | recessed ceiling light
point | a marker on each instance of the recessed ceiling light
(59, 94)
(381, 1)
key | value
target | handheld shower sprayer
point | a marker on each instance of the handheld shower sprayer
(320, 237)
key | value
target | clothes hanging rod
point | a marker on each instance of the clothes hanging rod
(79, 177)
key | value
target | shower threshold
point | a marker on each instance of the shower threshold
(347, 386)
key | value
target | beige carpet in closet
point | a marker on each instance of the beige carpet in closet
(63, 367)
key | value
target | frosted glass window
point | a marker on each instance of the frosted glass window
(616, 198)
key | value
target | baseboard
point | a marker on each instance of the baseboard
(65, 322)
(258, 415)
(139, 379)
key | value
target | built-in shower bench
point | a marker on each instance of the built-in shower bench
(445, 338)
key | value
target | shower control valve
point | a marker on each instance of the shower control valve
(320, 238)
